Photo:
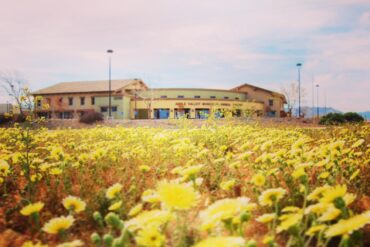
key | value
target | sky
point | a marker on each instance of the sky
(194, 43)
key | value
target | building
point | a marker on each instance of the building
(6, 108)
(132, 99)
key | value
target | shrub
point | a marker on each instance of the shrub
(5, 119)
(20, 118)
(353, 117)
(91, 117)
(339, 118)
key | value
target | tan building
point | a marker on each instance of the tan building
(132, 99)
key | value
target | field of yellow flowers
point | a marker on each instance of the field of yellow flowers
(217, 185)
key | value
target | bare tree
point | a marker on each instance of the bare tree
(291, 93)
(15, 86)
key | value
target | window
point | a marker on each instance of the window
(114, 108)
(82, 101)
(65, 115)
(212, 97)
(180, 96)
(93, 100)
(39, 103)
(237, 98)
(226, 97)
(70, 101)
(196, 97)
(163, 97)
(271, 102)
(104, 109)
(61, 100)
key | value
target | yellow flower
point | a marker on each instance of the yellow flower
(330, 214)
(150, 196)
(223, 210)
(288, 221)
(74, 204)
(32, 208)
(324, 175)
(291, 209)
(31, 244)
(267, 239)
(317, 193)
(354, 175)
(318, 208)
(58, 225)
(176, 196)
(190, 171)
(265, 218)
(347, 226)
(228, 185)
(135, 210)
(349, 198)
(299, 172)
(36, 177)
(153, 218)
(333, 193)
(268, 197)
(113, 191)
(314, 229)
(150, 237)
(75, 243)
(4, 168)
(144, 168)
(115, 206)
(221, 242)
(258, 180)
(358, 143)
(55, 171)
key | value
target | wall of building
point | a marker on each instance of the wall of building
(191, 93)
(6, 108)
(265, 96)
(212, 105)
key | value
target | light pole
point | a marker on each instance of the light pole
(110, 86)
(299, 88)
(317, 95)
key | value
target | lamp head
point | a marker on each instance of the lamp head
(110, 51)
(299, 64)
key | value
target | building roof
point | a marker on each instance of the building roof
(86, 86)
(194, 89)
(258, 88)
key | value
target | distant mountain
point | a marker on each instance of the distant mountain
(310, 112)
(365, 114)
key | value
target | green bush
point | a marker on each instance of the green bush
(4, 119)
(353, 117)
(91, 117)
(339, 118)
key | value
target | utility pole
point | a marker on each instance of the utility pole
(299, 89)
(110, 86)
(317, 95)
(313, 98)
(325, 100)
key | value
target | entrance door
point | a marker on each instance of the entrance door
(183, 112)
(201, 113)
(161, 113)
(142, 114)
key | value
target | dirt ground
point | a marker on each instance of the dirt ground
(172, 123)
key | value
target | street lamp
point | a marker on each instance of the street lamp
(110, 85)
(299, 88)
(317, 95)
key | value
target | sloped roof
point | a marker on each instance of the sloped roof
(87, 86)
(258, 88)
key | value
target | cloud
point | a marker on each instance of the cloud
(208, 43)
